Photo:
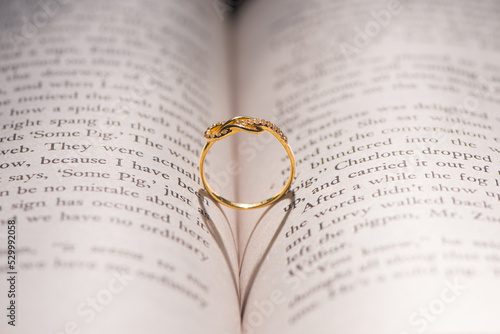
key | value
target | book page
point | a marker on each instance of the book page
(104, 227)
(391, 108)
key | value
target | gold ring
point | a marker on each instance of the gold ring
(251, 125)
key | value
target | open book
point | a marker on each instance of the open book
(392, 224)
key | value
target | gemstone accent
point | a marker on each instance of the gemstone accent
(220, 129)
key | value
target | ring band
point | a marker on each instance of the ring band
(222, 130)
